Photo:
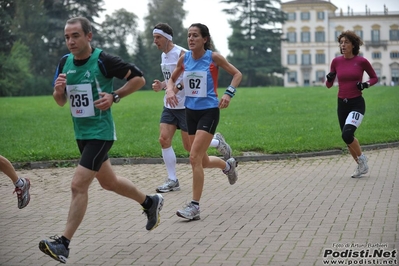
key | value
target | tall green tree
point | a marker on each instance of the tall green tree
(25, 25)
(58, 12)
(30, 25)
(165, 11)
(7, 37)
(15, 71)
(256, 38)
(117, 29)
(38, 25)
(141, 59)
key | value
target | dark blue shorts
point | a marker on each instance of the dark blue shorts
(175, 117)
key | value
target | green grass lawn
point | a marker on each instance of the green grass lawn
(266, 120)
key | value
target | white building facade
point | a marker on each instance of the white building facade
(311, 33)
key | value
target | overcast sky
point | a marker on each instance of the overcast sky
(209, 12)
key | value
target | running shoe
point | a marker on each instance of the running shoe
(23, 193)
(55, 249)
(232, 173)
(169, 185)
(152, 213)
(190, 212)
(223, 147)
(362, 167)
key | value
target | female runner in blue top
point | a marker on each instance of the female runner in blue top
(200, 71)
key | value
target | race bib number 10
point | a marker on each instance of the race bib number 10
(354, 118)
(81, 100)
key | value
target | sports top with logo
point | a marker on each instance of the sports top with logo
(168, 64)
(349, 72)
(83, 88)
(200, 81)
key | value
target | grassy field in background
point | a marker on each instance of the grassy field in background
(267, 120)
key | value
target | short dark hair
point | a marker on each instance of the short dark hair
(205, 34)
(84, 22)
(353, 38)
(165, 28)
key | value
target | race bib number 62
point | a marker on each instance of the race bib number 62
(195, 83)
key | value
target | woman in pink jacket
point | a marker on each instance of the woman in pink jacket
(349, 69)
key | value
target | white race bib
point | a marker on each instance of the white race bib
(80, 100)
(195, 83)
(354, 118)
(167, 70)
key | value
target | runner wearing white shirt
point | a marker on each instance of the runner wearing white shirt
(173, 118)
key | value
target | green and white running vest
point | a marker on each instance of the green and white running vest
(84, 83)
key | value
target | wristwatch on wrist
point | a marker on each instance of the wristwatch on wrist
(116, 97)
(179, 86)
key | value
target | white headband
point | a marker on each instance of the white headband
(164, 34)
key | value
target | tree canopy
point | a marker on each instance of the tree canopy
(32, 40)
(256, 39)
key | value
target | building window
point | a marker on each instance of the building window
(378, 73)
(376, 55)
(291, 37)
(305, 36)
(291, 59)
(337, 54)
(394, 35)
(394, 55)
(292, 77)
(305, 15)
(320, 58)
(306, 59)
(395, 75)
(320, 76)
(359, 33)
(291, 16)
(375, 35)
(306, 78)
(337, 33)
(319, 36)
(320, 15)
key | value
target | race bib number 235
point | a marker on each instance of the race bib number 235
(80, 100)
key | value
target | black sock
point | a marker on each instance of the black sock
(65, 241)
(147, 203)
(195, 202)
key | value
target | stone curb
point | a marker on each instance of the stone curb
(245, 158)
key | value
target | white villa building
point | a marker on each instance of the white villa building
(312, 29)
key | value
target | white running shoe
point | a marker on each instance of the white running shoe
(232, 173)
(23, 193)
(223, 147)
(362, 167)
(169, 185)
(190, 212)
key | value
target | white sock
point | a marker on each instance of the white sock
(169, 158)
(19, 182)
(214, 143)
(227, 168)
